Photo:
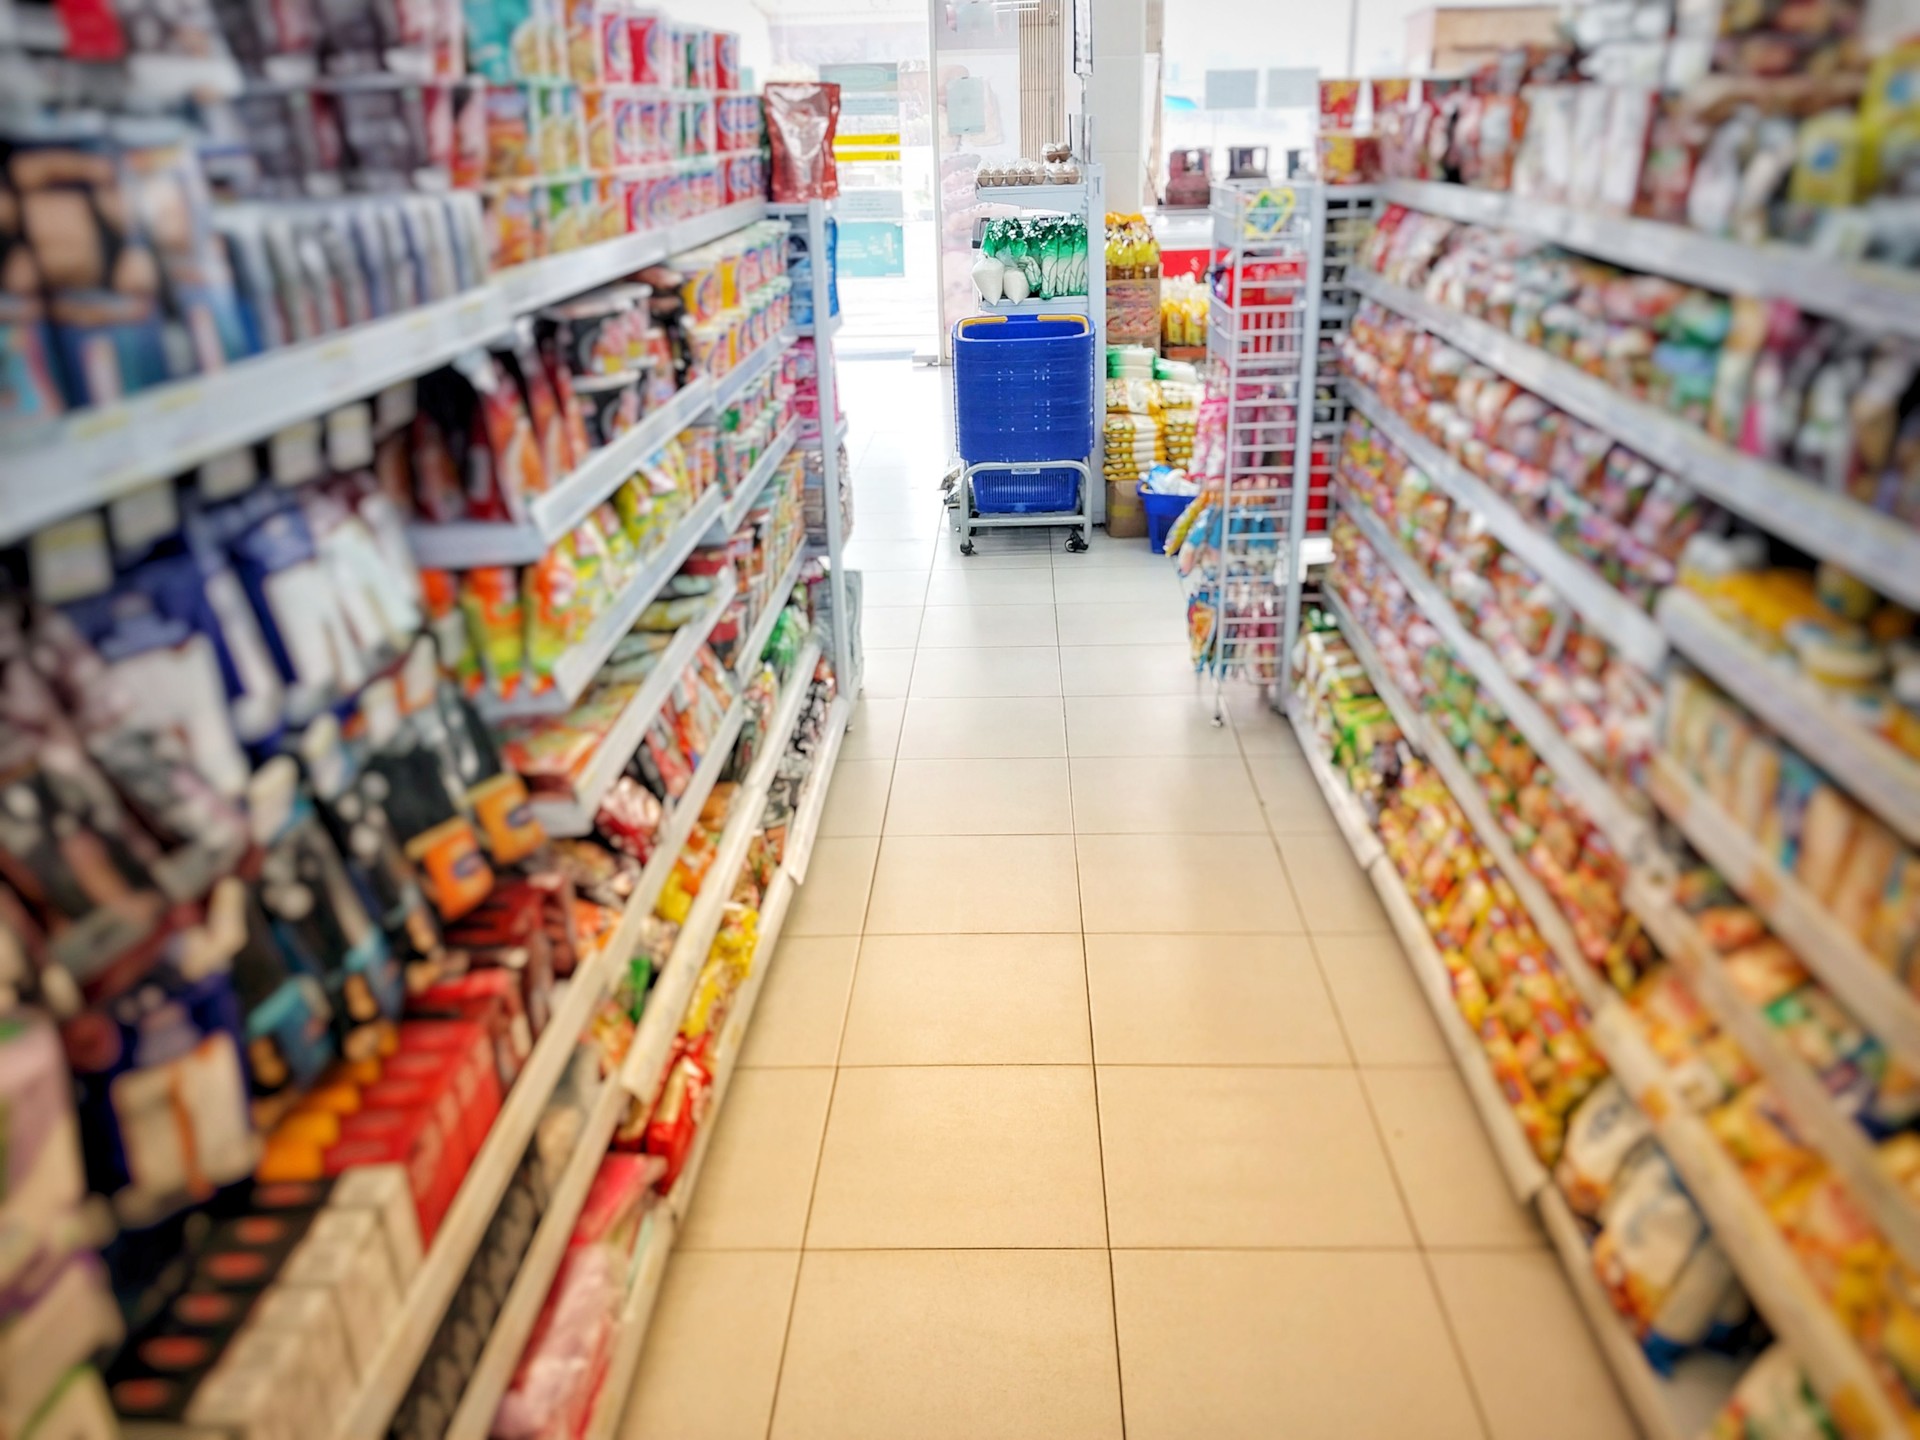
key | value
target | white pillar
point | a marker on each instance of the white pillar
(1118, 96)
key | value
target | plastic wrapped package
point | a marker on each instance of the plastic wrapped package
(802, 120)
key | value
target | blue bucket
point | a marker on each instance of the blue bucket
(1162, 511)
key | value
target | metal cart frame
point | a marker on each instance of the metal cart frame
(965, 521)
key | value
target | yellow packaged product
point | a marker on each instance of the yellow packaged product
(1770, 1156)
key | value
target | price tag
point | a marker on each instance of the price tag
(138, 519)
(335, 362)
(70, 561)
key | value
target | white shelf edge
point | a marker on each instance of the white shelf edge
(96, 455)
(1819, 1121)
(1876, 774)
(1062, 305)
(1873, 297)
(500, 1357)
(806, 820)
(575, 670)
(811, 331)
(465, 544)
(728, 387)
(1656, 1402)
(557, 277)
(575, 817)
(1870, 993)
(1069, 199)
(1873, 546)
(1625, 831)
(756, 642)
(630, 1332)
(667, 1003)
(755, 480)
(1633, 633)
(1524, 1172)
(407, 1340)
(773, 916)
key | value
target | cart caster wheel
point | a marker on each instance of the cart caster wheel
(966, 547)
(1076, 542)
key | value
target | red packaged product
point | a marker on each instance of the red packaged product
(492, 998)
(1339, 104)
(456, 1042)
(434, 1093)
(676, 1118)
(802, 119)
(411, 1139)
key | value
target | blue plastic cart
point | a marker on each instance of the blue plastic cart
(1023, 415)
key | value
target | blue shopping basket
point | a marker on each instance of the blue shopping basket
(1023, 389)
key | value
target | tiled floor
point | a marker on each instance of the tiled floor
(1089, 1095)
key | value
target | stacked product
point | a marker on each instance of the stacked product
(1348, 138)
(1183, 319)
(1042, 257)
(1829, 403)
(1133, 282)
(1755, 122)
(222, 283)
(734, 296)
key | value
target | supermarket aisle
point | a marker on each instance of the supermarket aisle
(1089, 1094)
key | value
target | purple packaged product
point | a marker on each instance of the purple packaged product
(432, 243)
(376, 264)
(409, 286)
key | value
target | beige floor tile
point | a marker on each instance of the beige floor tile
(1184, 884)
(758, 1178)
(1381, 1005)
(968, 1000)
(986, 673)
(890, 627)
(1263, 730)
(864, 554)
(978, 626)
(1260, 1158)
(1336, 897)
(960, 1157)
(803, 1003)
(1291, 795)
(1289, 1346)
(894, 587)
(1123, 622)
(1528, 1348)
(1210, 1000)
(951, 1345)
(919, 520)
(962, 586)
(1164, 795)
(1129, 670)
(1453, 1183)
(857, 798)
(1012, 728)
(980, 797)
(712, 1357)
(1145, 725)
(974, 884)
(885, 674)
(1125, 583)
(1000, 553)
(875, 731)
(834, 899)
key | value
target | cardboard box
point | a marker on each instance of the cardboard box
(1126, 516)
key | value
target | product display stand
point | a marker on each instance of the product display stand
(1348, 220)
(1024, 500)
(1262, 328)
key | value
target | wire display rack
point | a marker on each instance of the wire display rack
(1350, 210)
(1263, 334)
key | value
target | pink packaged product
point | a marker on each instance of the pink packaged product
(704, 187)
(743, 177)
(726, 60)
(649, 51)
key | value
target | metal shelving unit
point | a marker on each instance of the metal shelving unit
(94, 456)
(1873, 546)
(1625, 626)
(1265, 332)
(1880, 777)
(1876, 298)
